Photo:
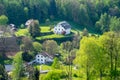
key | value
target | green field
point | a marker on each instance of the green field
(44, 29)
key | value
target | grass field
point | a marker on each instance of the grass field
(44, 29)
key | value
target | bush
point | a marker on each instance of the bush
(55, 75)
(52, 75)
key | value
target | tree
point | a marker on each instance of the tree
(31, 71)
(114, 24)
(52, 8)
(76, 40)
(37, 46)
(18, 66)
(3, 20)
(67, 47)
(27, 44)
(50, 46)
(3, 73)
(90, 56)
(56, 64)
(37, 74)
(103, 23)
(2, 9)
(111, 43)
(52, 75)
(34, 29)
(85, 32)
(27, 56)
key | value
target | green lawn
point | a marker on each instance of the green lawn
(22, 32)
(45, 29)
(50, 36)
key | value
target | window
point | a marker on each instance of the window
(41, 59)
(38, 56)
(38, 59)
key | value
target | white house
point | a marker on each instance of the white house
(28, 22)
(62, 28)
(12, 28)
(43, 58)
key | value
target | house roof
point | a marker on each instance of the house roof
(28, 22)
(9, 44)
(45, 54)
(64, 24)
(8, 68)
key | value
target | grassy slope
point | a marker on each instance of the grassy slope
(44, 29)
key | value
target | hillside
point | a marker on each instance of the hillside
(59, 39)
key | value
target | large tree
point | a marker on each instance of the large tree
(103, 24)
(34, 29)
(3, 20)
(111, 43)
(90, 56)
(50, 46)
(18, 67)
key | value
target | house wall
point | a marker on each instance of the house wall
(40, 59)
(48, 59)
(68, 31)
(58, 29)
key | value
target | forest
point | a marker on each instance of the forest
(87, 13)
(90, 52)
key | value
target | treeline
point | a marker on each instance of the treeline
(84, 12)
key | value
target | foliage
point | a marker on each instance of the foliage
(56, 64)
(3, 20)
(37, 46)
(50, 46)
(85, 32)
(3, 73)
(83, 12)
(52, 75)
(27, 44)
(114, 24)
(34, 29)
(18, 66)
(93, 51)
(27, 56)
(103, 23)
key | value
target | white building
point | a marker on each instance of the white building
(28, 22)
(62, 28)
(43, 58)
